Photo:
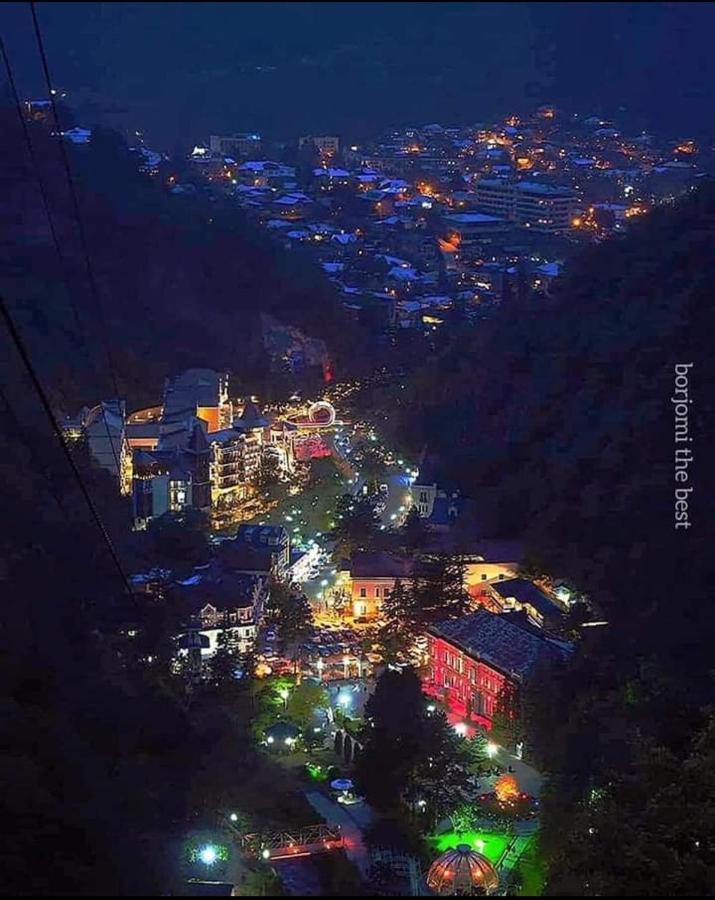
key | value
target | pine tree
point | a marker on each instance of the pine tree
(399, 629)
(224, 663)
(507, 721)
(290, 612)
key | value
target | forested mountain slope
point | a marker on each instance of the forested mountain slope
(180, 280)
(557, 416)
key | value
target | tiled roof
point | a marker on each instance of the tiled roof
(380, 565)
(499, 642)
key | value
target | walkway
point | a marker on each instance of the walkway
(353, 820)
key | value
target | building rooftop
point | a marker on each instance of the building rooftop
(472, 218)
(262, 535)
(191, 389)
(220, 588)
(381, 565)
(525, 592)
(535, 187)
(251, 417)
(501, 643)
(241, 557)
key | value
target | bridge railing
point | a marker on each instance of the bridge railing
(280, 843)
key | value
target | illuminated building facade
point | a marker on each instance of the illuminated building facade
(242, 145)
(473, 658)
(327, 144)
(266, 539)
(530, 204)
(171, 478)
(224, 602)
(104, 426)
(372, 578)
(198, 392)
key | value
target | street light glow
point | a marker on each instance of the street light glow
(492, 750)
(208, 855)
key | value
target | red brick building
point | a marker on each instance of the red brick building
(472, 658)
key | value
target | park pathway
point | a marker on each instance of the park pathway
(352, 820)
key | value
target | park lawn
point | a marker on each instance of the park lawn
(494, 842)
(531, 866)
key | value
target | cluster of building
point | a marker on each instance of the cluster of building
(224, 601)
(199, 449)
(428, 219)
(468, 661)
(513, 625)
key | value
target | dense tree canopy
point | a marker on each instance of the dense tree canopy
(179, 280)
(567, 439)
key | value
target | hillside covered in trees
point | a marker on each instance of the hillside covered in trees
(174, 280)
(557, 417)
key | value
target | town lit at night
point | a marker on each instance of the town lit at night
(356, 420)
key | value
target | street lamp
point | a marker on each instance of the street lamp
(344, 699)
(346, 663)
(208, 855)
(492, 750)
(320, 665)
(284, 694)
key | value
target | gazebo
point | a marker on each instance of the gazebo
(462, 872)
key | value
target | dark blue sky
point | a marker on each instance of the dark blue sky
(182, 70)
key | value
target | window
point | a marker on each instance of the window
(478, 705)
(484, 576)
(363, 592)
(386, 592)
(377, 592)
(362, 609)
(423, 496)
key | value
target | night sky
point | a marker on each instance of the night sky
(179, 71)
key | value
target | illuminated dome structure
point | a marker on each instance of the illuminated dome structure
(462, 872)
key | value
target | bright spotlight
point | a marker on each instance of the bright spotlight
(208, 855)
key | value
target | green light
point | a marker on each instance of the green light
(489, 844)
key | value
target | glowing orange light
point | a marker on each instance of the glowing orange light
(506, 788)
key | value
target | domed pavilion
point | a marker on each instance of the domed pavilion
(462, 872)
